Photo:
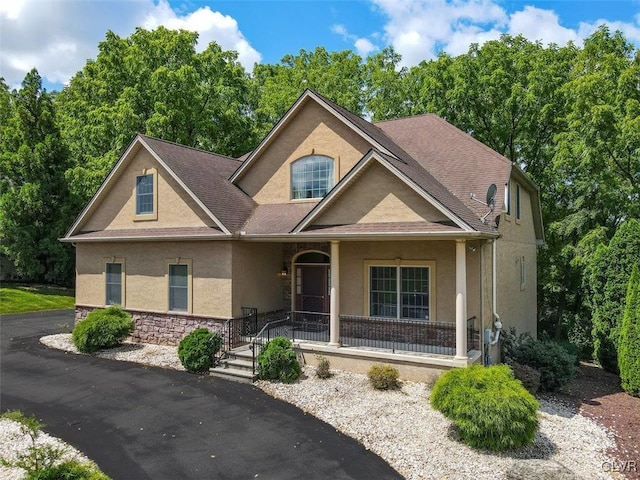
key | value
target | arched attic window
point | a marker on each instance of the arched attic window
(311, 177)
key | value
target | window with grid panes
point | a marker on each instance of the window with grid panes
(311, 177)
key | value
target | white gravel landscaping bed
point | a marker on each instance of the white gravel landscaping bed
(156, 355)
(418, 442)
(401, 426)
(14, 443)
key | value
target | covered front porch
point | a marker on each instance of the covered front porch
(419, 302)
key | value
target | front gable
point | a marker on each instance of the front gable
(378, 196)
(310, 129)
(114, 206)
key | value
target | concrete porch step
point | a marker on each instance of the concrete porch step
(234, 374)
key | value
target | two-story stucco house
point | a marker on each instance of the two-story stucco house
(400, 241)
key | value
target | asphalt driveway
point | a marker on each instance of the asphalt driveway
(141, 423)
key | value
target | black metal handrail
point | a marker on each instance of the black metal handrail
(258, 342)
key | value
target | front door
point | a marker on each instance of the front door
(312, 288)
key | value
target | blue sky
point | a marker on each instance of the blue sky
(58, 36)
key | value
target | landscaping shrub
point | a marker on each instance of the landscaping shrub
(277, 361)
(530, 377)
(103, 328)
(384, 377)
(322, 370)
(629, 343)
(196, 350)
(555, 364)
(607, 276)
(490, 408)
(68, 470)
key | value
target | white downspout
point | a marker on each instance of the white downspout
(491, 336)
(497, 323)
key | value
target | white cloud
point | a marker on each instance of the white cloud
(420, 29)
(212, 26)
(58, 36)
(363, 45)
(538, 24)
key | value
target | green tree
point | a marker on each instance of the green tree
(337, 75)
(629, 344)
(608, 275)
(33, 192)
(386, 95)
(153, 82)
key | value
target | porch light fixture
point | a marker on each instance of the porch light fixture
(284, 272)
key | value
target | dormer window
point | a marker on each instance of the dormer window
(311, 177)
(146, 195)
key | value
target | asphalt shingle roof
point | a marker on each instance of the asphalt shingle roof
(207, 176)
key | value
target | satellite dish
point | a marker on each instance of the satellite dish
(491, 196)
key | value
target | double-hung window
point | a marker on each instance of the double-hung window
(311, 177)
(178, 274)
(114, 276)
(144, 194)
(401, 291)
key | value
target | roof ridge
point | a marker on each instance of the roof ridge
(342, 110)
(395, 119)
(200, 150)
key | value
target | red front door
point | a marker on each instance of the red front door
(312, 288)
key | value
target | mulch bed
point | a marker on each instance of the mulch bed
(597, 395)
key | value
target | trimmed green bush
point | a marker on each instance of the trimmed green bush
(68, 470)
(196, 350)
(530, 377)
(383, 377)
(277, 361)
(103, 328)
(490, 408)
(629, 345)
(322, 370)
(607, 276)
(556, 366)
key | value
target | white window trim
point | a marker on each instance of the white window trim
(523, 273)
(142, 217)
(507, 201)
(290, 176)
(518, 213)
(179, 261)
(123, 274)
(401, 263)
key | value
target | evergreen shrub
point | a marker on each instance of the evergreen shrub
(196, 350)
(68, 470)
(629, 345)
(384, 377)
(490, 408)
(556, 365)
(103, 328)
(322, 370)
(277, 361)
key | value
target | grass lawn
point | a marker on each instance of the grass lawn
(32, 298)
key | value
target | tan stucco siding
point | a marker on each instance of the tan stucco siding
(314, 131)
(255, 277)
(146, 284)
(353, 256)
(516, 300)
(378, 196)
(117, 209)
(516, 303)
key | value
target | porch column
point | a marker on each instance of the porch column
(334, 309)
(461, 300)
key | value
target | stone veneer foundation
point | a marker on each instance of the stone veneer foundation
(161, 328)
